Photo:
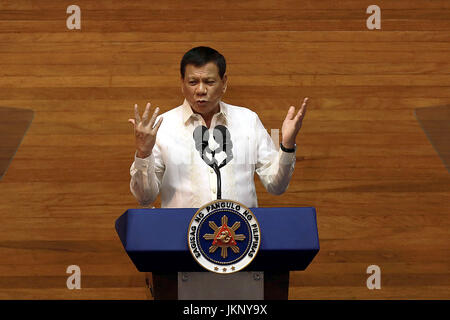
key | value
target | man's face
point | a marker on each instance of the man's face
(203, 88)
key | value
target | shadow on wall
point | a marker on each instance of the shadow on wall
(435, 121)
(14, 124)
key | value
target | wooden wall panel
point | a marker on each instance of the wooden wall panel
(380, 190)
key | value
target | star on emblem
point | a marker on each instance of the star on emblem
(232, 268)
(224, 237)
(224, 269)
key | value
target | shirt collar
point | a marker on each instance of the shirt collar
(188, 113)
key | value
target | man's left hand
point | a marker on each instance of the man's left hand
(292, 124)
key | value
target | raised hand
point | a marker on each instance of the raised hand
(292, 124)
(145, 130)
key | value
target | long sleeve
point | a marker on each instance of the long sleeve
(145, 180)
(274, 168)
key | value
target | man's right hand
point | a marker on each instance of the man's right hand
(145, 130)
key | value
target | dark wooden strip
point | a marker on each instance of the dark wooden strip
(235, 4)
(226, 36)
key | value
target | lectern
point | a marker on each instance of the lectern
(156, 241)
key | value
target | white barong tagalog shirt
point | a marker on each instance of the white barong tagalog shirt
(176, 170)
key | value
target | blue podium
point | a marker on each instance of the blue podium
(156, 241)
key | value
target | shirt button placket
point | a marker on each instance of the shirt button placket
(212, 182)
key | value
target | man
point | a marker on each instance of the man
(170, 160)
(207, 149)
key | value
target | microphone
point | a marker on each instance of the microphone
(201, 137)
(223, 138)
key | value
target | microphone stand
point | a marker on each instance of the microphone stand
(216, 169)
(219, 182)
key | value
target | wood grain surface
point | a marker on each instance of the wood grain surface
(380, 190)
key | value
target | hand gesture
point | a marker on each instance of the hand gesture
(292, 124)
(145, 130)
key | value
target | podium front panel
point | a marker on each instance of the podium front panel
(156, 239)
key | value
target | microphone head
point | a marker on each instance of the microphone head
(222, 136)
(201, 137)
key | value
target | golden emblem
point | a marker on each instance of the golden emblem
(224, 237)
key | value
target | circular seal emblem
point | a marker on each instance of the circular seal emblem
(224, 236)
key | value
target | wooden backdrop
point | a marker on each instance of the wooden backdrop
(380, 190)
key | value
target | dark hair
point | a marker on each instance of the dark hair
(199, 56)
